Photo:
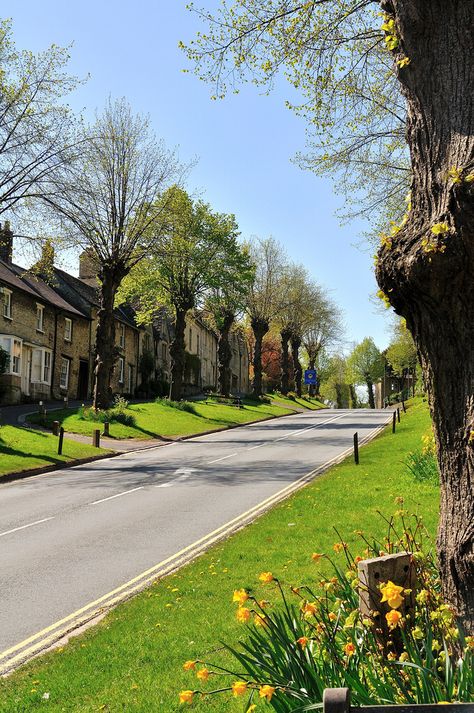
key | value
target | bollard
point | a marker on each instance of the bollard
(398, 414)
(106, 429)
(96, 438)
(55, 428)
(403, 407)
(356, 448)
(60, 442)
(394, 421)
(66, 402)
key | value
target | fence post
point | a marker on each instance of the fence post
(403, 407)
(398, 414)
(394, 421)
(356, 448)
(55, 428)
(60, 442)
(106, 429)
(96, 438)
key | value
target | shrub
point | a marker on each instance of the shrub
(179, 405)
(116, 414)
(316, 638)
(423, 463)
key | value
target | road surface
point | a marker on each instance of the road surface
(70, 537)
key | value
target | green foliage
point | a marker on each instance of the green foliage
(365, 362)
(314, 636)
(401, 353)
(179, 405)
(117, 414)
(4, 361)
(146, 366)
(423, 466)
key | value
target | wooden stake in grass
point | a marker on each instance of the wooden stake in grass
(60, 442)
(356, 448)
(96, 438)
(394, 421)
(398, 414)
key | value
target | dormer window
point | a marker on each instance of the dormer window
(7, 303)
(39, 318)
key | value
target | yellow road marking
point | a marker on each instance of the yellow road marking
(53, 632)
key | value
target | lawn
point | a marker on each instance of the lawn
(153, 419)
(132, 661)
(22, 449)
(308, 402)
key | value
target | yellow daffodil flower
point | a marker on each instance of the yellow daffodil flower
(243, 614)
(188, 665)
(393, 618)
(203, 674)
(266, 577)
(266, 692)
(186, 696)
(392, 594)
(240, 596)
(303, 642)
(239, 688)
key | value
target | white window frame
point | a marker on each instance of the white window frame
(122, 336)
(67, 329)
(121, 370)
(7, 303)
(39, 317)
(64, 382)
(45, 362)
(7, 342)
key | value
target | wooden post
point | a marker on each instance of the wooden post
(398, 414)
(96, 438)
(106, 429)
(55, 428)
(394, 421)
(336, 700)
(356, 448)
(66, 402)
(60, 442)
(403, 407)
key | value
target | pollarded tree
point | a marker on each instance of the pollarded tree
(265, 298)
(325, 330)
(336, 50)
(365, 366)
(401, 352)
(197, 255)
(106, 202)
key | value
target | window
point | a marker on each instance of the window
(64, 374)
(121, 370)
(122, 336)
(39, 318)
(41, 366)
(7, 303)
(146, 343)
(67, 329)
(13, 348)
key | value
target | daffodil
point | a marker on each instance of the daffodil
(349, 649)
(188, 665)
(186, 696)
(243, 614)
(266, 692)
(393, 618)
(266, 577)
(392, 594)
(239, 688)
(240, 596)
(203, 674)
(303, 642)
(316, 556)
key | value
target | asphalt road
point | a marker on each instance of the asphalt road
(69, 537)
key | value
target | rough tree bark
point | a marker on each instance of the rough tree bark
(431, 284)
(224, 353)
(370, 389)
(105, 348)
(353, 395)
(178, 354)
(259, 327)
(285, 335)
(297, 369)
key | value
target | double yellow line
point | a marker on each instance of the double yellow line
(25, 650)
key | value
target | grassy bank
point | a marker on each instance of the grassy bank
(155, 419)
(21, 449)
(132, 661)
(308, 402)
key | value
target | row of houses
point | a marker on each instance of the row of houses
(48, 319)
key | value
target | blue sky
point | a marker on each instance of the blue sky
(244, 144)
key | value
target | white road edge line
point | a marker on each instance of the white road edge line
(118, 495)
(23, 527)
(223, 458)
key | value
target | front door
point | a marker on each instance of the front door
(83, 379)
(26, 370)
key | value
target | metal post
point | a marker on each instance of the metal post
(394, 421)
(356, 448)
(60, 442)
(96, 438)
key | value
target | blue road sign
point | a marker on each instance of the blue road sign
(310, 376)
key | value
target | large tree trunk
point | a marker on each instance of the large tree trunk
(313, 388)
(259, 327)
(178, 355)
(429, 279)
(224, 354)
(297, 370)
(285, 335)
(370, 389)
(353, 395)
(105, 347)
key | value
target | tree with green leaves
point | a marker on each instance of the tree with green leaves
(401, 352)
(198, 255)
(366, 365)
(106, 202)
(324, 330)
(35, 122)
(367, 84)
(265, 299)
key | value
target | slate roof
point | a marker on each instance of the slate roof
(20, 279)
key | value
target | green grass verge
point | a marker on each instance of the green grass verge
(308, 402)
(132, 661)
(21, 449)
(157, 419)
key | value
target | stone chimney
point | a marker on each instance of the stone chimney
(88, 268)
(6, 243)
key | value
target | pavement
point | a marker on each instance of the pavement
(70, 540)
